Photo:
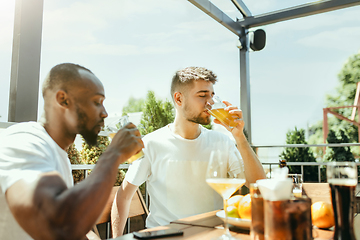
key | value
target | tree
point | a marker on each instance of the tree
(339, 154)
(348, 77)
(299, 154)
(156, 114)
(133, 105)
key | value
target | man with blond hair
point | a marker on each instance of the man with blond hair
(176, 156)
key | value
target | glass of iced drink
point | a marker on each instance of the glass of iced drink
(217, 110)
(342, 178)
(257, 213)
(112, 128)
(299, 212)
(277, 222)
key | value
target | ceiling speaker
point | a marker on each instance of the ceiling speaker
(258, 41)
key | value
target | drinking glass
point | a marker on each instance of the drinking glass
(224, 183)
(342, 178)
(297, 184)
(257, 213)
(217, 111)
(113, 127)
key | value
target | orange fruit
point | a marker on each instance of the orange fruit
(322, 215)
(235, 200)
(244, 207)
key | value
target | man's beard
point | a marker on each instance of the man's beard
(200, 120)
(90, 137)
(196, 119)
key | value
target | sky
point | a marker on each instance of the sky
(134, 46)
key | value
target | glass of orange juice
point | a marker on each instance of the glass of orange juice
(112, 128)
(217, 110)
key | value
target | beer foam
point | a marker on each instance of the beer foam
(343, 181)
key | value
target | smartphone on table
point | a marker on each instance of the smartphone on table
(158, 233)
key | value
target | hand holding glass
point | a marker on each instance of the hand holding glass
(224, 183)
(217, 110)
(111, 130)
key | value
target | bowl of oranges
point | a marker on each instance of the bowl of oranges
(238, 211)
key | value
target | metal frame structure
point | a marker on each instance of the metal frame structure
(241, 27)
(25, 64)
(25, 67)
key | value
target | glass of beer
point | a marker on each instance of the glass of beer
(224, 182)
(342, 178)
(112, 128)
(218, 112)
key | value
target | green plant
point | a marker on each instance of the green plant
(74, 157)
(339, 154)
(344, 95)
(90, 155)
(299, 154)
(156, 114)
(133, 105)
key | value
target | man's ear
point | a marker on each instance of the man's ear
(178, 98)
(62, 98)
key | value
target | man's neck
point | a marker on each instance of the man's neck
(58, 134)
(186, 129)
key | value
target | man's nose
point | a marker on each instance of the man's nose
(211, 101)
(104, 114)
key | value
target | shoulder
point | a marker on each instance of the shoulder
(158, 134)
(24, 134)
(25, 127)
(32, 128)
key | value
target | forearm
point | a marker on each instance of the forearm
(252, 166)
(83, 204)
(51, 210)
(120, 209)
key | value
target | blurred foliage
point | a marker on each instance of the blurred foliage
(338, 154)
(156, 114)
(74, 157)
(348, 77)
(299, 154)
(133, 105)
(89, 155)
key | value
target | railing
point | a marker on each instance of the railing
(302, 164)
(308, 145)
(87, 167)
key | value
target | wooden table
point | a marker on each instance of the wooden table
(208, 226)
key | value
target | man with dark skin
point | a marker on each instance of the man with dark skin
(43, 204)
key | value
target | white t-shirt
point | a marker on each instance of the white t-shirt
(26, 150)
(175, 170)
